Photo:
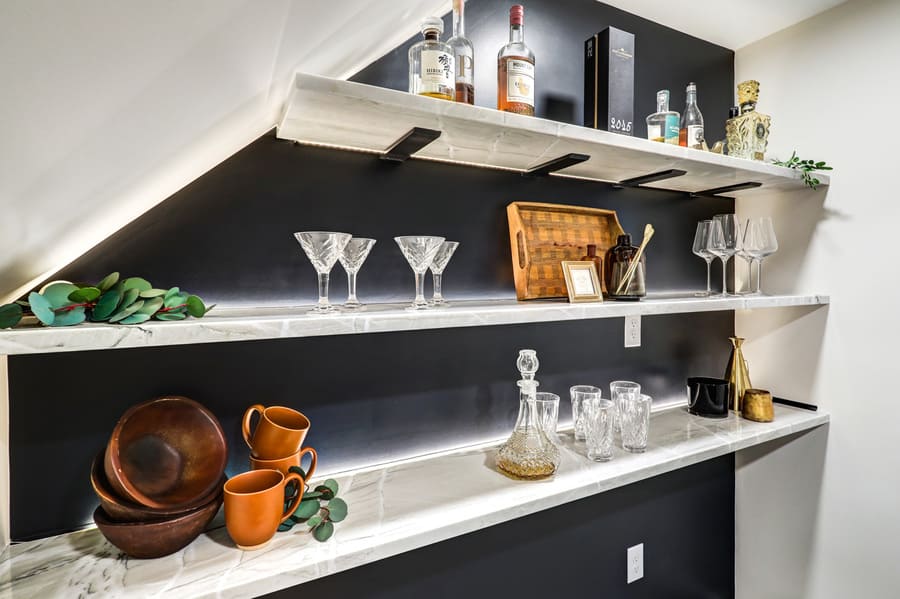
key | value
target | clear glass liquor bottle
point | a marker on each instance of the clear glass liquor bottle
(691, 133)
(431, 64)
(463, 54)
(662, 125)
(515, 68)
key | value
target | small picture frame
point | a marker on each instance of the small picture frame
(582, 282)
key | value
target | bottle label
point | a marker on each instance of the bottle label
(520, 82)
(695, 136)
(654, 132)
(465, 68)
(437, 71)
(671, 132)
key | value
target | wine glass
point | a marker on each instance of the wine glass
(727, 242)
(445, 252)
(760, 241)
(419, 251)
(701, 249)
(352, 258)
(323, 248)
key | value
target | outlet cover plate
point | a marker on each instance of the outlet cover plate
(633, 331)
(635, 563)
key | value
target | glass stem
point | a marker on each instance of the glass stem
(420, 288)
(709, 277)
(323, 288)
(758, 276)
(437, 285)
(351, 288)
(724, 260)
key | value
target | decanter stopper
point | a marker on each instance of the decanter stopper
(527, 364)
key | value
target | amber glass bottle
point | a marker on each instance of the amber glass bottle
(618, 259)
(592, 256)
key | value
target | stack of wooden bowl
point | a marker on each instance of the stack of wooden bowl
(160, 478)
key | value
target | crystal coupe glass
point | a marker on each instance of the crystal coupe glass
(437, 270)
(323, 249)
(419, 251)
(352, 258)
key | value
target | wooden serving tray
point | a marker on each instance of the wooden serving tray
(543, 235)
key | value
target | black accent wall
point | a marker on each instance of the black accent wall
(228, 237)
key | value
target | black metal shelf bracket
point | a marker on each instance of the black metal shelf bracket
(716, 192)
(412, 141)
(659, 176)
(551, 166)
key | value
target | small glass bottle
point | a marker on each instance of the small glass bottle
(463, 55)
(515, 68)
(662, 125)
(592, 256)
(431, 64)
(747, 133)
(691, 134)
(618, 260)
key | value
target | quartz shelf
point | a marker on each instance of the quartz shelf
(394, 508)
(343, 114)
(249, 324)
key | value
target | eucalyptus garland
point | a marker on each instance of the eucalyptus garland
(130, 301)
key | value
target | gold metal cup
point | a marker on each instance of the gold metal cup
(757, 406)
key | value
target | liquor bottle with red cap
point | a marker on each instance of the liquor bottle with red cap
(515, 68)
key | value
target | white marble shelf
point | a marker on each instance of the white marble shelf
(355, 116)
(248, 324)
(394, 508)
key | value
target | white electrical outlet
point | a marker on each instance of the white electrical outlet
(635, 563)
(633, 331)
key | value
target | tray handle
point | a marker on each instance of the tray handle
(520, 243)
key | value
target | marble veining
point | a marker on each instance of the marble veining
(394, 508)
(352, 115)
(247, 324)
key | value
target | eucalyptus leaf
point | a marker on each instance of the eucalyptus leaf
(331, 484)
(129, 297)
(285, 526)
(175, 300)
(312, 495)
(69, 318)
(171, 292)
(10, 315)
(325, 492)
(136, 318)
(108, 281)
(323, 531)
(314, 521)
(170, 316)
(106, 305)
(127, 311)
(153, 293)
(307, 509)
(58, 294)
(337, 509)
(137, 283)
(151, 306)
(85, 294)
(299, 471)
(41, 308)
(195, 306)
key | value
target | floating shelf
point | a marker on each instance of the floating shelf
(394, 508)
(249, 324)
(355, 116)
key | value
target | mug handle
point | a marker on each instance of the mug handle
(245, 424)
(313, 460)
(301, 487)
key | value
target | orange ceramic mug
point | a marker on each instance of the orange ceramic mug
(283, 464)
(253, 506)
(279, 433)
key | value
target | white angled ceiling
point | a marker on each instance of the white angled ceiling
(108, 108)
(729, 23)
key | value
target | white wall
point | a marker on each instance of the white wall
(818, 517)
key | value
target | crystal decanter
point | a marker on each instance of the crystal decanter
(747, 135)
(528, 453)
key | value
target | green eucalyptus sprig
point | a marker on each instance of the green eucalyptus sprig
(319, 509)
(806, 168)
(130, 301)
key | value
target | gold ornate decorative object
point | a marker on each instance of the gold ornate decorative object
(737, 373)
(747, 135)
(757, 406)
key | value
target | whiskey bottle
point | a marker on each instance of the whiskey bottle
(691, 133)
(464, 56)
(662, 125)
(431, 64)
(747, 135)
(515, 68)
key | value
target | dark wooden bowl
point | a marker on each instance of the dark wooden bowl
(122, 510)
(166, 453)
(147, 540)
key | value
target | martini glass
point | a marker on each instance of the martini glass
(445, 252)
(352, 258)
(419, 251)
(323, 249)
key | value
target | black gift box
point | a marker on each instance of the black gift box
(609, 81)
